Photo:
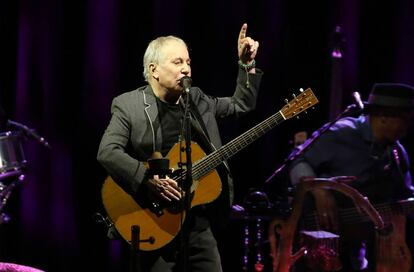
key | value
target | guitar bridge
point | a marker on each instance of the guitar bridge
(155, 208)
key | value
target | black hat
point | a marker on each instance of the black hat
(392, 95)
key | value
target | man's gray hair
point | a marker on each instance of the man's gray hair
(154, 52)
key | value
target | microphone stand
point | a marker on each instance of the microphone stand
(299, 151)
(187, 182)
(29, 132)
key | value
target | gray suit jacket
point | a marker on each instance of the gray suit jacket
(134, 131)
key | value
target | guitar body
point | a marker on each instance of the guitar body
(393, 253)
(125, 212)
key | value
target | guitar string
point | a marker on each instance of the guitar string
(241, 141)
(385, 209)
(351, 215)
(268, 124)
(213, 159)
(200, 168)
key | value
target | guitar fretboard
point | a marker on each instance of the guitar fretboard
(299, 104)
(352, 216)
(215, 158)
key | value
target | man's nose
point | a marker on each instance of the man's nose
(186, 69)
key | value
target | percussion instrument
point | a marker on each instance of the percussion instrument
(12, 159)
(12, 163)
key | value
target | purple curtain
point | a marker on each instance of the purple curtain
(64, 61)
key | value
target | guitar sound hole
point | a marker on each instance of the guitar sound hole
(177, 206)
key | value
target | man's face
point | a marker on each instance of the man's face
(174, 64)
(396, 127)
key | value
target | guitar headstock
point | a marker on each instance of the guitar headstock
(298, 104)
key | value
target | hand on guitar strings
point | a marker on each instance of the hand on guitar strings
(165, 188)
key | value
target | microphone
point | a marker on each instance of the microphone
(30, 132)
(358, 101)
(185, 82)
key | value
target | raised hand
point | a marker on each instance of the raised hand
(247, 47)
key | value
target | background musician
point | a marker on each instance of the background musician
(368, 148)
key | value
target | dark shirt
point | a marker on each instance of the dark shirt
(170, 116)
(171, 119)
(348, 149)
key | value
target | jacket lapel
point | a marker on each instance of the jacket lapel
(151, 111)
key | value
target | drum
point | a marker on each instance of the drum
(12, 158)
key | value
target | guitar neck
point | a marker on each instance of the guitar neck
(352, 216)
(215, 158)
(292, 108)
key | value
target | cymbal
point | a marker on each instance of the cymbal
(11, 267)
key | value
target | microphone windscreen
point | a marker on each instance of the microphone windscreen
(185, 82)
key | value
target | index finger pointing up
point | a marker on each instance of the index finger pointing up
(243, 31)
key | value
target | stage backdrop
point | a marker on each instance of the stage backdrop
(62, 62)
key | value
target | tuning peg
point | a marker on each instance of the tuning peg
(297, 117)
(294, 95)
(301, 90)
(286, 101)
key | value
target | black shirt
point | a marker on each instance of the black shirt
(171, 116)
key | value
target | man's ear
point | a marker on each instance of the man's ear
(153, 70)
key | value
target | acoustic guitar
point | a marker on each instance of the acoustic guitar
(392, 251)
(391, 248)
(162, 224)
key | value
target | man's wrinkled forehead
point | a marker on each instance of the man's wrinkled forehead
(174, 50)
